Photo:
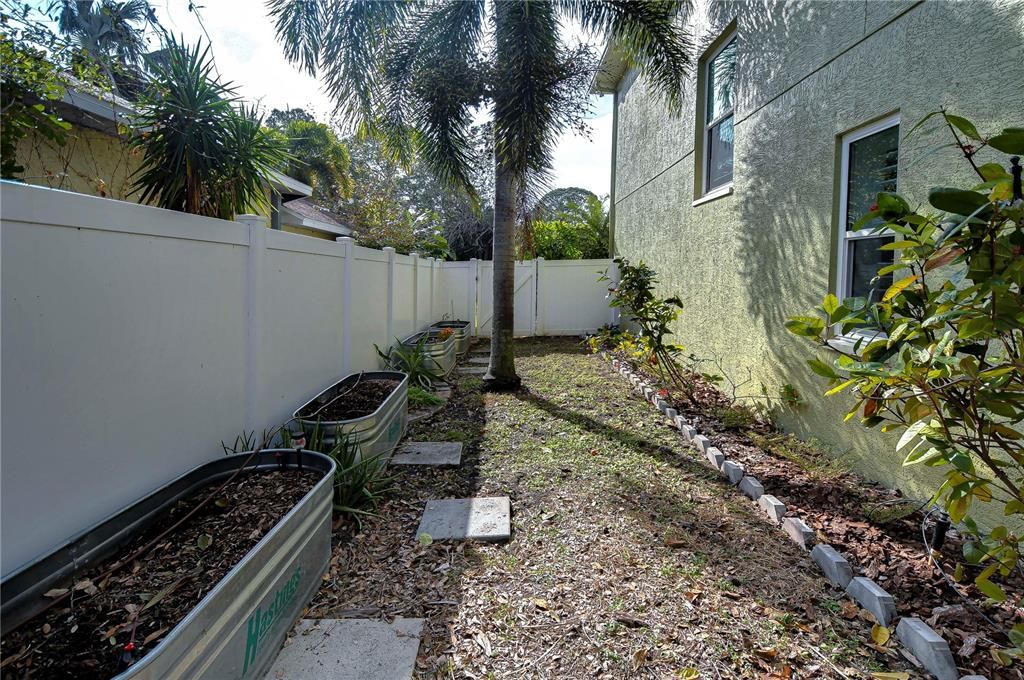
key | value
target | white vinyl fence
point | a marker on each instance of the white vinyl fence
(135, 340)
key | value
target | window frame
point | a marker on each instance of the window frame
(727, 38)
(847, 342)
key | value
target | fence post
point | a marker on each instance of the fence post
(538, 298)
(390, 308)
(257, 225)
(613, 272)
(430, 313)
(415, 291)
(471, 302)
(348, 244)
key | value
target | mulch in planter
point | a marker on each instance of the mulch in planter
(875, 528)
(361, 400)
(85, 636)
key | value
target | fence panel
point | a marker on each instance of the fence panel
(137, 339)
(571, 300)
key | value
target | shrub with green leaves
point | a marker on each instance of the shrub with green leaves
(30, 86)
(940, 356)
(413, 361)
(635, 295)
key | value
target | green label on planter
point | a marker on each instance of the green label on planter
(262, 621)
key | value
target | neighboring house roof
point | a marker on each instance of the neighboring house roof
(289, 187)
(90, 107)
(610, 70)
(86, 105)
(302, 212)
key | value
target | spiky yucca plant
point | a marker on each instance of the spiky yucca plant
(202, 152)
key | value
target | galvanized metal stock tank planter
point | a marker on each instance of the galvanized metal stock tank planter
(237, 629)
(441, 353)
(376, 434)
(462, 337)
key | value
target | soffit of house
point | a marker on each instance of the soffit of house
(610, 70)
(289, 187)
(290, 218)
(89, 107)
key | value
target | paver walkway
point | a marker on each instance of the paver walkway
(349, 649)
(630, 557)
(428, 453)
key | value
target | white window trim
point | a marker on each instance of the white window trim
(705, 192)
(844, 181)
(839, 341)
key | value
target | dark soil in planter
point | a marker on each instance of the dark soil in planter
(361, 400)
(84, 636)
(874, 527)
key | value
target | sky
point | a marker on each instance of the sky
(247, 54)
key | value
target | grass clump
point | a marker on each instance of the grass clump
(813, 459)
(421, 398)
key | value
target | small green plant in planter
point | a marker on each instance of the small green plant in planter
(359, 483)
(413, 361)
(944, 359)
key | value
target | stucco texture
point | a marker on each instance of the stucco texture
(90, 162)
(807, 72)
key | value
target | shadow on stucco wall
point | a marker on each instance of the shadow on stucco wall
(786, 165)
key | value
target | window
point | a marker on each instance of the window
(718, 129)
(870, 157)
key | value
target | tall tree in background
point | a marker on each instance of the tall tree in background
(319, 158)
(413, 74)
(108, 32)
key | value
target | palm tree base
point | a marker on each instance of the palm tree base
(501, 384)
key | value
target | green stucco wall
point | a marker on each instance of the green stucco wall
(807, 72)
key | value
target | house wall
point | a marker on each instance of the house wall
(806, 73)
(94, 163)
(90, 162)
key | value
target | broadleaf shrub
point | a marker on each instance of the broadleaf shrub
(943, 360)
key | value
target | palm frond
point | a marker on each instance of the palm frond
(526, 103)
(650, 35)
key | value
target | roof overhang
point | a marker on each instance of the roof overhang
(289, 186)
(610, 70)
(291, 218)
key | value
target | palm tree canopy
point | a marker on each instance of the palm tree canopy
(414, 73)
(108, 30)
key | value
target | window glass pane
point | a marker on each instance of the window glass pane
(721, 75)
(873, 162)
(864, 259)
(720, 154)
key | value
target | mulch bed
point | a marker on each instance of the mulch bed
(84, 636)
(876, 529)
(360, 400)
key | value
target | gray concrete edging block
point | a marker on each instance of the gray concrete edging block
(874, 598)
(928, 647)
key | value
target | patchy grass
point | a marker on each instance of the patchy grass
(629, 557)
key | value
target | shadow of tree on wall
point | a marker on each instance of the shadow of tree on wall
(787, 163)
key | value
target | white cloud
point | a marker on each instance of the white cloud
(246, 53)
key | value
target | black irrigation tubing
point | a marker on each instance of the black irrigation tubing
(336, 398)
(949, 581)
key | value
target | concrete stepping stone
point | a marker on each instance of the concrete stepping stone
(349, 649)
(428, 453)
(480, 360)
(476, 519)
(472, 370)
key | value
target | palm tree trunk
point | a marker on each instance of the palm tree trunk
(501, 374)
